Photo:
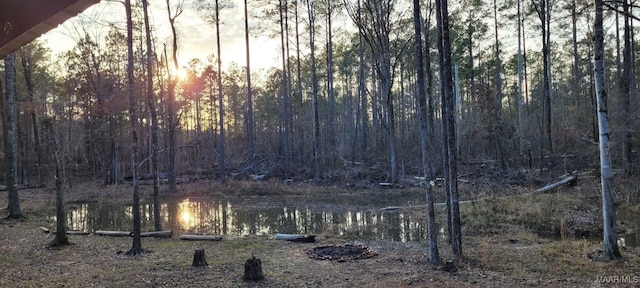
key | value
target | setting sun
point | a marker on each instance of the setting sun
(181, 74)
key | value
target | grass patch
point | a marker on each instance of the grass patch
(504, 244)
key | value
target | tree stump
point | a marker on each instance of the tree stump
(199, 259)
(253, 270)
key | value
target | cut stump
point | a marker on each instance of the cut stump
(199, 260)
(253, 270)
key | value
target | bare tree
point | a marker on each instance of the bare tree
(519, 96)
(151, 105)
(496, 126)
(434, 258)
(627, 92)
(376, 32)
(330, 81)
(10, 127)
(136, 247)
(26, 58)
(250, 148)
(220, 96)
(317, 146)
(282, 8)
(544, 13)
(448, 104)
(171, 99)
(610, 240)
(299, 101)
(361, 99)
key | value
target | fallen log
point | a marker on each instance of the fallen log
(113, 233)
(200, 237)
(566, 181)
(77, 232)
(296, 238)
(69, 232)
(159, 234)
(393, 208)
(459, 202)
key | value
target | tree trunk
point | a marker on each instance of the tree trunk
(449, 129)
(10, 147)
(543, 9)
(26, 66)
(576, 72)
(627, 91)
(171, 102)
(497, 124)
(24, 146)
(285, 89)
(610, 236)
(317, 168)
(250, 145)
(300, 128)
(363, 94)
(61, 238)
(289, 103)
(136, 247)
(330, 87)
(157, 221)
(220, 100)
(519, 97)
(434, 257)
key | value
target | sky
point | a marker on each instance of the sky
(196, 37)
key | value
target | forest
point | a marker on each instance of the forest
(511, 92)
(331, 108)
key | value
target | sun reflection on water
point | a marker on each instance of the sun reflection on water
(221, 217)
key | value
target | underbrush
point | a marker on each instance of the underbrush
(547, 214)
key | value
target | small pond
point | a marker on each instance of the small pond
(347, 216)
(264, 216)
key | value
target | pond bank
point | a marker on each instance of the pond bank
(500, 242)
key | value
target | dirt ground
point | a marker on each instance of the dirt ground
(510, 255)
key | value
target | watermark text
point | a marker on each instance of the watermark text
(618, 279)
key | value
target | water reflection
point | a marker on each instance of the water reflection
(267, 217)
(226, 218)
(629, 218)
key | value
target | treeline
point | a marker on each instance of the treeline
(342, 97)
